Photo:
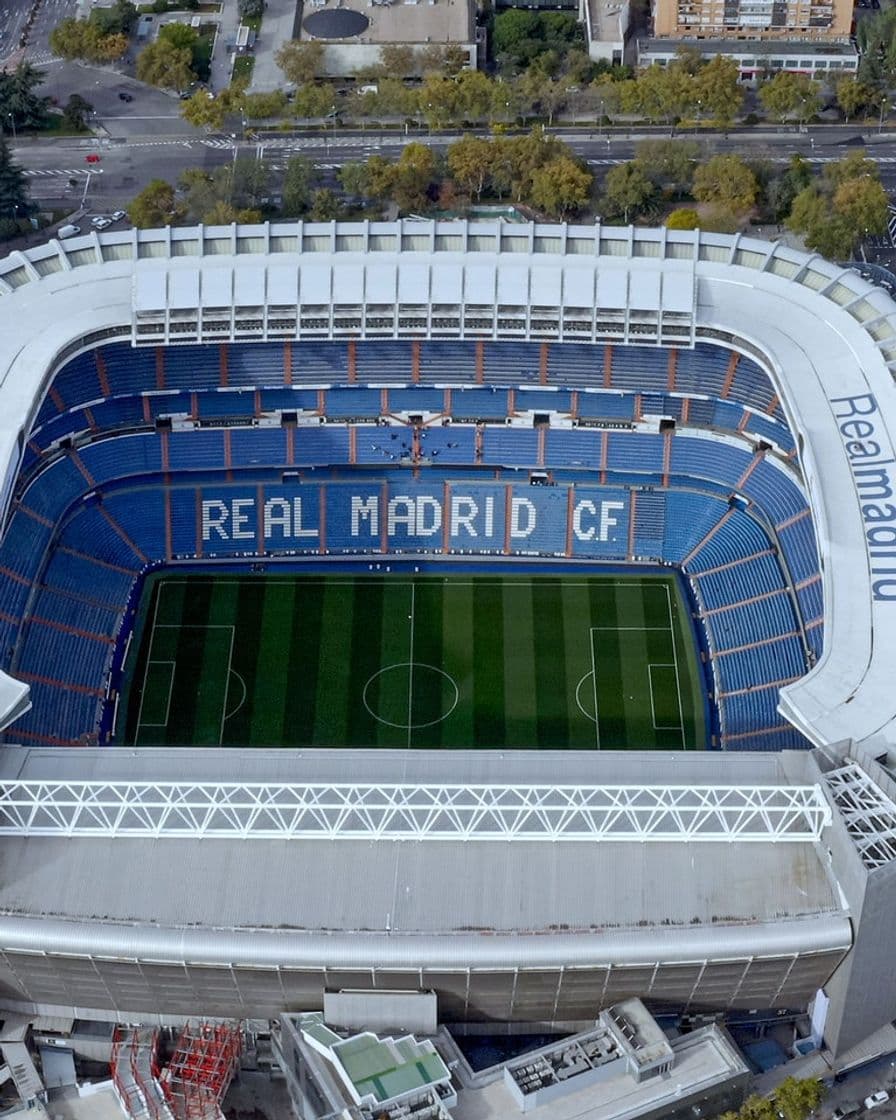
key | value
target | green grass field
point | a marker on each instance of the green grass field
(413, 661)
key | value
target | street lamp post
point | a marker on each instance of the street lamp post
(12, 121)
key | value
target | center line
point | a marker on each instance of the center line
(411, 669)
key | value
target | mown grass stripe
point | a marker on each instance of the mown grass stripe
(552, 712)
(521, 718)
(489, 685)
(293, 634)
(458, 659)
(277, 676)
(576, 610)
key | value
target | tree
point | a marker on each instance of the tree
(862, 204)
(718, 89)
(726, 182)
(469, 161)
(312, 100)
(300, 62)
(669, 163)
(786, 95)
(856, 165)
(76, 112)
(204, 110)
(166, 65)
(325, 205)
(353, 179)
(796, 1098)
(155, 205)
(560, 186)
(19, 99)
(224, 213)
(757, 1108)
(250, 9)
(245, 182)
(853, 96)
(397, 61)
(683, 218)
(14, 201)
(628, 190)
(263, 106)
(84, 38)
(297, 184)
(782, 188)
(413, 176)
(119, 18)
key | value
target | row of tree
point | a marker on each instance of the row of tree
(832, 212)
(794, 1099)
(537, 170)
(102, 37)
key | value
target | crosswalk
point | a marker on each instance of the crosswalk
(69, 172)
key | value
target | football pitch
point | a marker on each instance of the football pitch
(408, 661)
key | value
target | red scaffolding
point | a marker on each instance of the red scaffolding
(203, 1064)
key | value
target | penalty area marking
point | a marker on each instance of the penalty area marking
(234, 673)
(145, 723)
(581, 706)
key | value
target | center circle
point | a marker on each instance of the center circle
(409, 695)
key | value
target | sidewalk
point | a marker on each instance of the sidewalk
(222, 59)
(278, 27)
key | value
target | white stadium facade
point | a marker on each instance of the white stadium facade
(533, 887)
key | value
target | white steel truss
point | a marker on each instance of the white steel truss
(867, 812)
(413, 812)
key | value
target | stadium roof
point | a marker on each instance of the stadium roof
(827, 336)
(623, 903)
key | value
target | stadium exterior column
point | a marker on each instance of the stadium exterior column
(223, 375)
(480, 362)
(415, 361)
(543, 364)
(290, 446)
(160, 367)
(672, 367)
(287, 364)
(608, 366)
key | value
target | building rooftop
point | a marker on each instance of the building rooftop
(436, 21)
(703, 1060)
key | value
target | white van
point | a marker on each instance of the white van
(67, 231)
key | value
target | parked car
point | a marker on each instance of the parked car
(92, 158)
(123, 96)
(878, 1098)
(848, 1108)
(103, 222)
(67, 231)
(97, 218)
(117, 215)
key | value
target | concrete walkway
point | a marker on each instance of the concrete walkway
(278, 27)
(222, 59)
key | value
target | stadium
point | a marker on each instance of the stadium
(491, 611)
